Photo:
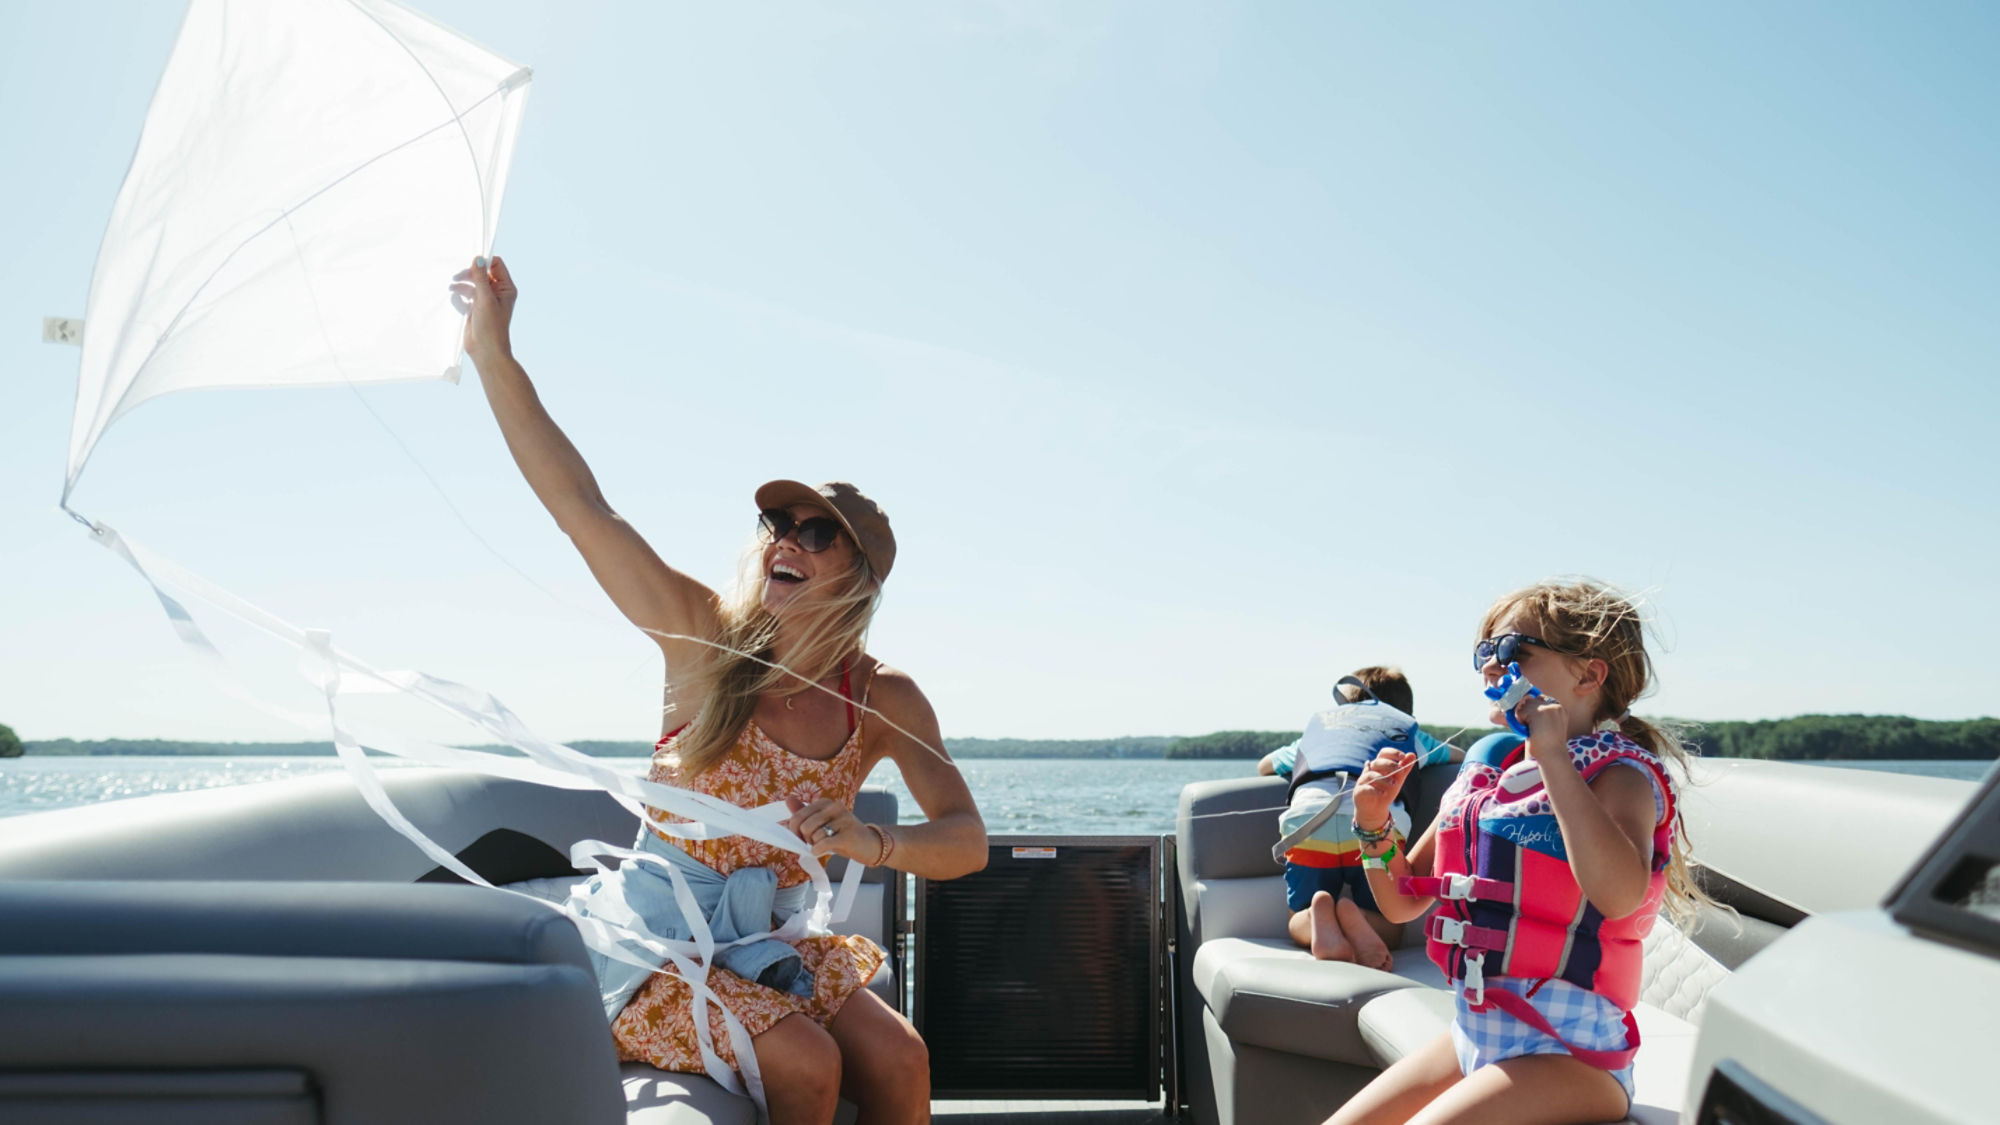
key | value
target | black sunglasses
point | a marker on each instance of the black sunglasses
(816, 533)
(1506, 647)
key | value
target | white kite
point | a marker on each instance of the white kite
(308, 172)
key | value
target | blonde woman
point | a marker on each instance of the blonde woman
(783, 703)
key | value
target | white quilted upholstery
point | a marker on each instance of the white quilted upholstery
(1677, 975)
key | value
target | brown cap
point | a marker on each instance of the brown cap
(863, 518)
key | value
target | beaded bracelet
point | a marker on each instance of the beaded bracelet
(1375, 837)
(888, 845)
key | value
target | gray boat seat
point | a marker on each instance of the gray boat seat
(356, 1003)
(1267, 992)
(156, 974)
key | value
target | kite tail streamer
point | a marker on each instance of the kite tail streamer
(336, 673)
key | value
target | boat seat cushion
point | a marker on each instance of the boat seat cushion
(1270, 993)
(387, 1041)
(659, 1097)
(1396, 1023)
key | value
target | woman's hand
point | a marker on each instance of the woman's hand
(833, 829)
(1381, 779)
(487, 293)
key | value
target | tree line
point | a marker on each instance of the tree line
(1805, 738)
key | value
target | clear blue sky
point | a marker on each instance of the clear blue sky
(1198, 352)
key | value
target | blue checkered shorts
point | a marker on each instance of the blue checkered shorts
(1580, 1015)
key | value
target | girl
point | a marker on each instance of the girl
(1543, 1031)
(759, 734)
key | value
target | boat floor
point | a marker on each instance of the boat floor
(1049, 1113)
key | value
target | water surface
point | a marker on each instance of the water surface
(1016, 795)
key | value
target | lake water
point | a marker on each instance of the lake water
(1016, 795)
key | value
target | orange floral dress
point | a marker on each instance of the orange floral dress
(657, 1025)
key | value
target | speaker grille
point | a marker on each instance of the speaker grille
(1040, 976)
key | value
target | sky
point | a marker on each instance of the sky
(1199, 354)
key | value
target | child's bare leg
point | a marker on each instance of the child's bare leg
(1318, 929)
(1529, 1090)
(1369, 948)
(1404, 1089)
(1391, 933)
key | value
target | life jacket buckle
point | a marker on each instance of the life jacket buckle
(1457, 887)
(1475, 981)
(1448, 930)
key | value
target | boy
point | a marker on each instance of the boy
(1321, 855)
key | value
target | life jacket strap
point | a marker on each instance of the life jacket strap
(1447, 930)
(1457, 888)
(1527, 1013)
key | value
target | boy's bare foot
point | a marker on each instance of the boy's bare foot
(1369, 949)
(1328, 942)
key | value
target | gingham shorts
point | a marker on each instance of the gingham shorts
(1578, 1014)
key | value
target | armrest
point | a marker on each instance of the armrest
(375, 920)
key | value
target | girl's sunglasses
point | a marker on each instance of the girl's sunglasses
(1506, 648)
(816, 533)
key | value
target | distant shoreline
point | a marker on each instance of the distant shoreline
(1804, 738)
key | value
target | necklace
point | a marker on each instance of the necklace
(794, 695)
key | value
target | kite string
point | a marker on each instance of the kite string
(1395, 773)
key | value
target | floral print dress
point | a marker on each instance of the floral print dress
(657, 1025)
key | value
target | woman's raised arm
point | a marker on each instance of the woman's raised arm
(651, 594)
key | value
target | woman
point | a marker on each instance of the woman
(739, 728)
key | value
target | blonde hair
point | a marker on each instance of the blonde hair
(826, 627)
(1588, 620)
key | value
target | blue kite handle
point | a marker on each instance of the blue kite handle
(1509, 693)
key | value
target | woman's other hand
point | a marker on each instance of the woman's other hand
(833, 829)
(486, 292)
(1381, 779)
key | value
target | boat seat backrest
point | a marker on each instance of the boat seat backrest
(1676, 974)
(283, 919)
(1226, 829)
(290, 1004)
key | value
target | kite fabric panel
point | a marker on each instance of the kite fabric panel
(310, 175)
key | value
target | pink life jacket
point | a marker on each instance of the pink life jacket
(1508, 909)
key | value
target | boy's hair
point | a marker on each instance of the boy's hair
(1386, 681)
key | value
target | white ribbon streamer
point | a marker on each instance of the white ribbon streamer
(336, 673)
